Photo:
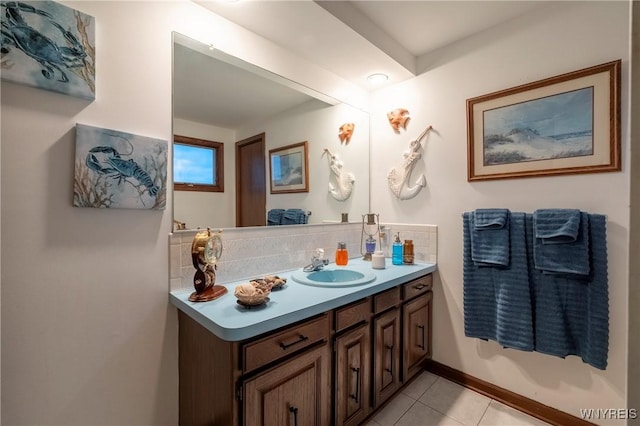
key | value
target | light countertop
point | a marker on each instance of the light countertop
(230, 321)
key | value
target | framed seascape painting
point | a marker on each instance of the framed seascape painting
(561, 125)
(48, 46)
(115, 169)
(289, 168)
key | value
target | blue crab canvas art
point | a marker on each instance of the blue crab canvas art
(115, 169)
(49, 46)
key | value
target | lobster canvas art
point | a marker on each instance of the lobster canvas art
(115, 169)
(49, 46)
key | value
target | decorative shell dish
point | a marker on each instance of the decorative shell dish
(252, 293)
(275, 281)
(256, 292)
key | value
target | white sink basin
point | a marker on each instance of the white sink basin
(334, 277)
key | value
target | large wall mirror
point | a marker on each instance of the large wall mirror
(254, 113)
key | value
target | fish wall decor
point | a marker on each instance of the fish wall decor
(345, 132)
(344, 180)
(399, 176)
(398, 118)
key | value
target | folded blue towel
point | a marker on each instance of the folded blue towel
(561, 241)
(274, 216)
(497, 301)
(294, 217)
(571, 311)
(490, 218)
(490, 237)
(556, 226)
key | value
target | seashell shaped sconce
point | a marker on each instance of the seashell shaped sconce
(345, 132)
(398, 118)
(344, 180)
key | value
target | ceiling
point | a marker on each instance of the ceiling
(356, 38)
(219, 90)
(352, 39)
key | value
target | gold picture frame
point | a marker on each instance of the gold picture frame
(289, 168)
(566, 124)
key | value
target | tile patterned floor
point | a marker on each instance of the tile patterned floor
(431, 400)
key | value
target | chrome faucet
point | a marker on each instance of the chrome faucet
(318, 261)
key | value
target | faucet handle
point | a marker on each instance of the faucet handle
(318, 254)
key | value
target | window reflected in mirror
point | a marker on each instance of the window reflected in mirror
(198, 165)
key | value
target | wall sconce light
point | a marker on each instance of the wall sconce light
(370, 228)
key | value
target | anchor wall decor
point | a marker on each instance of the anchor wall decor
(399, 176)
(344, 180)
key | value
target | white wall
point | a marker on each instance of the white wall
(88, 336)
(558, 39)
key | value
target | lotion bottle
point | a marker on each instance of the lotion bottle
(377, 260)
(396, 252)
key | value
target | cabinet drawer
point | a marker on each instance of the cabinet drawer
(352, 314)
(386, 299)
(262, 352)
(417, 287)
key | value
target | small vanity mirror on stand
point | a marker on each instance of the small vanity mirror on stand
(205, 252)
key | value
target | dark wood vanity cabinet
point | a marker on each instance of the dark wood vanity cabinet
(387, 352)
(334, 368)
(294, 393)
(416, 333)
(280, 378)
(352, 375)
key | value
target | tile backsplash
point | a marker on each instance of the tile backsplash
(256, 251)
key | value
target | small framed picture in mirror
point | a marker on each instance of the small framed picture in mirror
(289, 168)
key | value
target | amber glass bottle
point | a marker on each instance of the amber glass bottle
(342, 255)
(407, 252)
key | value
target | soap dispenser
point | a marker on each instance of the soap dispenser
(342, 255)
(396, 252)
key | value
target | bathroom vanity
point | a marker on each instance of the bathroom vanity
(311, 355)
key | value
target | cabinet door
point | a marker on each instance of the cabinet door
(387, 355)
(352, 376)
(416, 334)
(294, 393)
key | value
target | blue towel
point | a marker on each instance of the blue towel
(274, 216)
(490, 218)
(556, 225)
(561, 241)
(490, 237)
(497, 300)
(572, 312)
(294, 217)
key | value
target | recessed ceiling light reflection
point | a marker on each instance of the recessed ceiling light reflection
(377, 78)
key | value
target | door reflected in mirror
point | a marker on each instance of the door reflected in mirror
(251, 111)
